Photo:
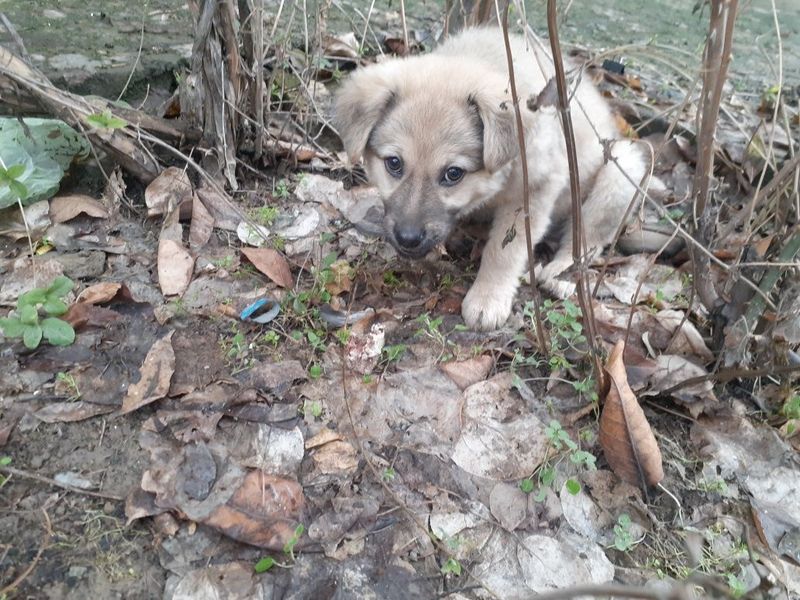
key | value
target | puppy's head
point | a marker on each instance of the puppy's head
(437, 140)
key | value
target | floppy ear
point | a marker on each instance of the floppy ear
(360, 104)
(497, 117)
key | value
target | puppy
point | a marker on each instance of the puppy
(438, 137)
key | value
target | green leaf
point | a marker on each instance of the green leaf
(54, 307)
(15, 171)
(5, 461)
(106, 120)
(452, 566)
(11, 327)
(32, 336)
(18, 189)
(28, 315)
(58, 332)
(573, 487)
(32, 298)
(526, 485)
(315, 371)
(264, 565)
(60, 287)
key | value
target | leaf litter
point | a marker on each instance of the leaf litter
(308, 438)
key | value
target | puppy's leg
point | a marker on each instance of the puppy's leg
(602, 213)
(487, 305)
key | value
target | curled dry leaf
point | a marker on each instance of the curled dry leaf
(464, 373)
(625, 435)
(65, 208)
(201, 226)
(156, 373)
(99, 293)
(272, 264)
(167, 192)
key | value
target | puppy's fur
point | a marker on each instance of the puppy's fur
(452, 109)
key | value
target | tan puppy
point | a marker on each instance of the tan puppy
(437, 134)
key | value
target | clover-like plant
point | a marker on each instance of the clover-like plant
(37, 313)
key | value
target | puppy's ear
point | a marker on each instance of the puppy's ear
(363, 100)
(500, 143)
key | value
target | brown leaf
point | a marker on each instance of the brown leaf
(202, 224)
(69, 412)
(65, 208)
(263, 511)
(99, 293)
(167, 192)
(175, 267)
(466, 372)
(83, 314)
(272, 263)
(156, 373)
(625, 435)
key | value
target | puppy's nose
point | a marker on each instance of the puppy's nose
(409, 236)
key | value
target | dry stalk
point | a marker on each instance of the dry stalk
(541, 335)
(716, 58)
(574, 186)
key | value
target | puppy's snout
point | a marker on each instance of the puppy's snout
(409, 236)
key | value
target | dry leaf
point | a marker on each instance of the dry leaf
(167, 192)
(335, 457)
(263, 511)
(83, 314)
(69, 412)
(156, 373)
(272, 263)
(625, 435)
(466, 372)
(202, 224)
(175, 267)
(99, 293)
(65, 208)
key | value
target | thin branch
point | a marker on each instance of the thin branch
(541, 336)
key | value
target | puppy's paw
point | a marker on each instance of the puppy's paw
(546, 277)
(486, 308)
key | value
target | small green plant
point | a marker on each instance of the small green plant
(390, 279)
(343, 335)
(623, 539)
(68, 381)
(272, 338)
(451, 567)
(226, 262)
(315, 371)
(394, 352)
(572, 486)
(236, 352)
(791, 408)
(526, 485)
(266, 215)
(367, 378)
(29, 322)
(288, 547)
(282, 189)
(736, 585)
(313, 408)
(105, 120)
(264, 565)
(388, 474)
(4, 462)
(9, 177)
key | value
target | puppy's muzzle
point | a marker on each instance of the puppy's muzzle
(409, 237)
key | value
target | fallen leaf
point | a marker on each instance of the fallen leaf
(344, 46)
(671, 370)
(341, 278)
(464, 373)
(99, 293)
(167, 192)
(175, 267)
(263, 511)
(156, 373)
(65, 208)
(625, 435)
(70, 412)
(81, 315)
(202, 224)
(509, 505)
(336, 457)
(272, 263)
(231, 581)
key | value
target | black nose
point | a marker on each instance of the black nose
(409, 236)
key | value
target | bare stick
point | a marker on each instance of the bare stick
(53, 482)
(541, 336)
(575, 192)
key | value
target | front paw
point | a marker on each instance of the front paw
(486, 308)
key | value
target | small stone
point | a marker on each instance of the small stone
(37, 462)
(76, 572)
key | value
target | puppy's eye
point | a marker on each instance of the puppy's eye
(394, 164)
(452, 176)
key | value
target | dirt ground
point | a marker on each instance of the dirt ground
(362, 443)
